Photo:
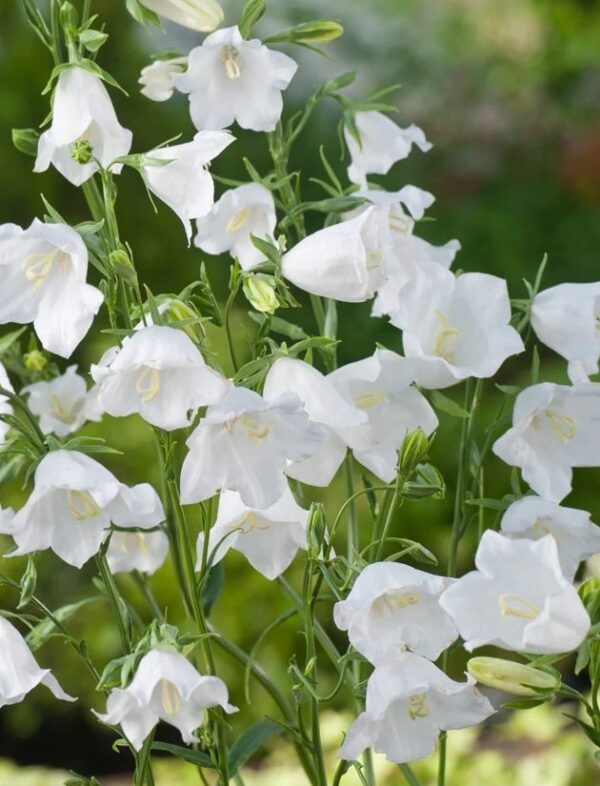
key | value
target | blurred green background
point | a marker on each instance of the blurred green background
(507, 92)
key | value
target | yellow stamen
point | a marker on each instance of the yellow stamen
(516, 606)
(373, 259)
(230, 57)
(170, 698)
(38, 266)
(238, 219)
(391, 601)
(148, 384)
(562, 425)
(254, 428)
(399, 224)
(417, 706)
(62, 410)
(369, 400)
(81, 505)
(249, 522)
(446, 339)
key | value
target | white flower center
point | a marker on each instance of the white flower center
(37, 267)
(446, 339)
(249, 522)
(238, 219)
(81, 505)
(374, 259)
(63, 410)
(147, 384)
(252, 426)
(170, 698)
(517, 606)
(369, 400)
(392, 601)
(230, 57)
(399, 224)
(417, 706)
(563, 426)
(542, 529)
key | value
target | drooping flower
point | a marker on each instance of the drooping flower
(517, 598)
(19, 671)
(324, 406)
(232, 80)
(381, 387)
(576, 536)
(457, 327)
(239, 213)
(555, 428)
(567, 319)
(201, 15)
(5, 407)
(64, 403)
(185, 184)
(269, 539)
(409, 701)
(414, 199)
(157, 78)
(137, 550)
(44, 271)
(382, 143)
(166, 687)
(73, 503)
(159, 373)
(344, 262)
(84, 124)
(243, 444)
(393, 608)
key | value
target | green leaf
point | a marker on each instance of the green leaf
(25, 140)
(445, 404)
(187, 754)
(47, 628)
(93, 39)
(253, 10)
(213, 587)
(281, 326)
(9, 339)
(250, 741)
(142, 14)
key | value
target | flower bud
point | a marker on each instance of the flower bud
(35, 360)
(121, 263)
(511, 677)
(201, 15)
(82, 151)
(260, 293)
(319, 32)
(178, 311)
(413, 451)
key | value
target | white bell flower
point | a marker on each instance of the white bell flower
(243, 444)
(73, 503)
(344, 262)
(414, 199)
(381, 387)
(576, 536)
(157, 78)
(239, 213)
(5, 407)
(43, 271)
(382, 144)
(19, 671)
(166, 687)
(64, 404)
(555, 428)
(230, 79)
(517, 599)
(269, 539)
(142, 551)
(567, 319)
(325, 406)
(393, 608)
(159, 373)
(185, 184)
(409, 701)
(201, 15)
(82, 112)
(457, 327)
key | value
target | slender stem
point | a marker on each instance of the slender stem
(409, 775)
(228, 331)
(396, 500)
(353, 540)
(116, 603)
(442, 755)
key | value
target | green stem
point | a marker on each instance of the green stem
(228, 331)
(394, 504)
(116, 602)
(409, 775)
(353, 541)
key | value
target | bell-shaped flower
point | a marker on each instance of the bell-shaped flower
(201, 15)
(157, 78)
(269, 539)
(409, 701)
(44, 271)
(64, 403)
(576, 536)
(232, 80)
(414, 199)
(5, 407)
(457, 327)
(567, 319)
(344, 262)
(382, 143)
(517, 599)
(166, 687)
(393, 608)
(73, 503)
(239, 213)
(325, 406)
(160, 373)
(555, 428)
(137, 550)
(84, 127)
(243, 444)
(184, 183)
(381, 387)
(19, 671)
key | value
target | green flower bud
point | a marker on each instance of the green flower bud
(178, 311)
(260, 293)
(121, 263)
(319, 32)
(81, 151)
(35, 360)
(511, 677)
(413, 451)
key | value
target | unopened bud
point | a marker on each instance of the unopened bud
(320, 32)
(260, 293)
(178, 311)
(82, 151)
(511, 677)
(413, 451)
(35, 360)
(121, 263)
